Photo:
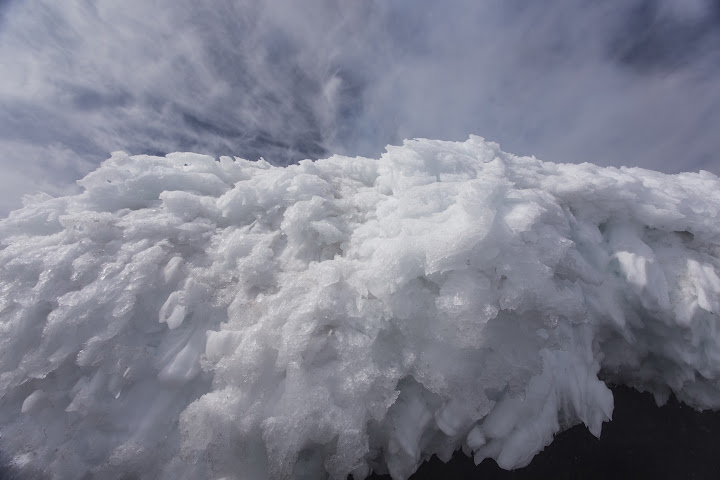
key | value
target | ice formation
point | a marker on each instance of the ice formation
(188, 318)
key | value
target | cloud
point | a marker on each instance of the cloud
(623, 84)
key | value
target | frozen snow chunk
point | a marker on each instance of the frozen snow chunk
(475, 439)
(173, 311)
(189, 206)
(33, 402)
(172, 270)
(175, 308)
(707, 284)
(239, 204)
(326, 273)
(451, 418)
(522, 217)
(184, 365)
(410, 423)
(638, 264)
(221, 344)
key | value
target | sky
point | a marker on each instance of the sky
(634, 83)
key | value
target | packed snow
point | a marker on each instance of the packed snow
(188, 318)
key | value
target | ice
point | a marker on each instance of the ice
(191, 318)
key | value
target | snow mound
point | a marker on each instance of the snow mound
(188, 318)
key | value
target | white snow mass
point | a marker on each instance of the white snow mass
(188, 318)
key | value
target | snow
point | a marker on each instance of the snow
(188, 318)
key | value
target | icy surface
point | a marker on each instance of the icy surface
(190, 318)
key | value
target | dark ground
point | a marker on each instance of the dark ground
(642, 441)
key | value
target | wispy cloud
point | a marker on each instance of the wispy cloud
(632, 83)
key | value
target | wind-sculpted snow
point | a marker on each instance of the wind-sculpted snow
(190, 318)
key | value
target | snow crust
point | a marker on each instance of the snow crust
(188, 318)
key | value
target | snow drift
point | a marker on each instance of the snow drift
(191, 318)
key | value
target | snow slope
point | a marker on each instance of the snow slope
(188, 318)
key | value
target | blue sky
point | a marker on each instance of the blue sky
(633, 83)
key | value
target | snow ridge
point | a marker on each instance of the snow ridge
(188, 318)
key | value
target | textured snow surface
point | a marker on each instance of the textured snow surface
(189, 318)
